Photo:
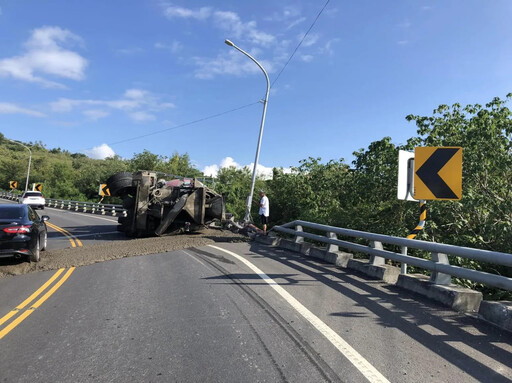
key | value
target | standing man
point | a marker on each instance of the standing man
(264, 210)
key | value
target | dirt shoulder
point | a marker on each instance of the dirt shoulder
(81, 256)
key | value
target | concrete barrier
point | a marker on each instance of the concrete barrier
(498, 313)
(387, 273)
(458, 298)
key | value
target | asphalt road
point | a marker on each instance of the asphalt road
(78, 229)
(236, 312)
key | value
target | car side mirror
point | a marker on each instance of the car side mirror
(45, 218)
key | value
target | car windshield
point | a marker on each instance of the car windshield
(33, 194)
(11, 212)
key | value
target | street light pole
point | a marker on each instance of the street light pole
(247, 217)
(29, 160)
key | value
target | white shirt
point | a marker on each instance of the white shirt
(264, 206)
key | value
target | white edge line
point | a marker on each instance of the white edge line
(369, 372)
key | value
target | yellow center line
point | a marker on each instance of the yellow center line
(39, 302)
(12, 313)
(78, 242)
(64, 232)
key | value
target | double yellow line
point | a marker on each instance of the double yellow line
(67, 234)
(24, 314)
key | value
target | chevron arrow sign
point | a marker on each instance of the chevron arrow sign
(438, 173)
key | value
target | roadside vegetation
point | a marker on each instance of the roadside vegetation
(360, 195)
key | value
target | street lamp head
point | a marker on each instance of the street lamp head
(228, 42)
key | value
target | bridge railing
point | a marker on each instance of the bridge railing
(77, 206)
(439, 264)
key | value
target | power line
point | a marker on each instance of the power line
(235, 109)
(183, 125)
(300, 43)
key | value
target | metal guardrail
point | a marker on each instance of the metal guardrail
(82, 207)
(439, 263)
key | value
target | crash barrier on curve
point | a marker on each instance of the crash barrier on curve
(77, 206)
(437, 287)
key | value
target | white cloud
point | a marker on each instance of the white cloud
(229, 162)
(137, 103)
(231, 22)
(261, 170)
(225, 20)
(100, 152)
(406, 24)
(327, 48)
(129, 51)
(307, 58)
(141, 116)
(310, 40)
(289, 12)
(186, 13)
(230, 62)
(135, 93)
(95, 114)
(45, 54)
(296, 22)
(174, 47)
(7, 108)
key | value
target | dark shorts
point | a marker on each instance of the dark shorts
(264, 219)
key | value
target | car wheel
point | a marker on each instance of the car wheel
(42, 207)
(45, 241)
(35, 256)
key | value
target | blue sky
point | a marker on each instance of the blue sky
(86, 75)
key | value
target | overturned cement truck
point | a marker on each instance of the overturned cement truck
(158, 207)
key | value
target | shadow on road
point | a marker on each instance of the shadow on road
(90, 232)
(409, 312)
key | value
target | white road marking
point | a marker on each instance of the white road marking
(369, 372)
(194, 258)
(82, 214)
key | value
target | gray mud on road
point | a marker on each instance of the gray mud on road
(81, 256)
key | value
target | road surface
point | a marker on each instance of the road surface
(235, 312)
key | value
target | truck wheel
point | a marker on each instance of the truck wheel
(120, 183)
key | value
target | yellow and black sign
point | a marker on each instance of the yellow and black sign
(104, 191)
(37, 187)
(438, 173)
(13, 184)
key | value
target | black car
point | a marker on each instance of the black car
(22, 232)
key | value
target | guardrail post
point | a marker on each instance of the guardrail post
(62, 204)
(76, 206)
(332, 248)
(102, 209)
(298, 238)
(93, 208)
(437, 277)
(69, 205)
(113, 211)
(375, 260)
(403, 266)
